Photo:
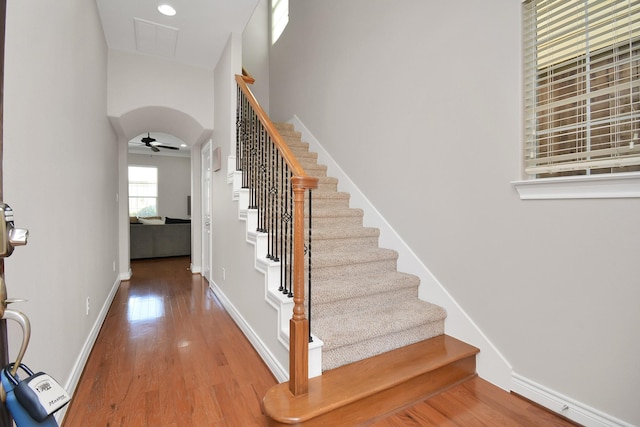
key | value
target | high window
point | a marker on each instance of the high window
(143, 191)
(279, 18)
(582, 87)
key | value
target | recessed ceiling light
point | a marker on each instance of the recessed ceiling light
(167, 10)
(183, 145)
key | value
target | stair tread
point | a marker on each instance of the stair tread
(335, 257)
(356, 381)
(353, 327)
(336, 212)
(345, 232)
(330, 290)
(321, 195)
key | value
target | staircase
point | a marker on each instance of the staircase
(384, 348)
(361, 305)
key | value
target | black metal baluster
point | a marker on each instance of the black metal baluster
(246, 147)
(290, 232)
(276, 191)
(252, 164)
(309, 271)
(260, 184)
(238, 107)
(283, 195)
(272, 202)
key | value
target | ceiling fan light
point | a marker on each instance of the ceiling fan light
(166, 10)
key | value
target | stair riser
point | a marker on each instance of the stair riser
(289, 133)
(317, 172)
(327, 186)
(307, 157)
(335, 308)
(323, 203)
(332, 358)
(335, 222)
(327, 272)
(298, 146)
(354, 243)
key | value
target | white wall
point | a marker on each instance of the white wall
(138, 81)
(242, 287)
(60, 171)
(419, 103)
(255, 52)
(174, 182)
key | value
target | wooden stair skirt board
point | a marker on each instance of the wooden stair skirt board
(375, 387)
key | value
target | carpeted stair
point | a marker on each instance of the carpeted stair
(361, 305)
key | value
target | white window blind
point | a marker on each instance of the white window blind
(582, 87)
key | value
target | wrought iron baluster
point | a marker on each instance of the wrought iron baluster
(276, 191)
(253, 162)
(309, 270)
(239, 101)
(290, 232)
(260, 184)
(272, 201)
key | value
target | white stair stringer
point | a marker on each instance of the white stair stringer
(271, 270)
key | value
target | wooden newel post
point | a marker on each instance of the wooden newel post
(299, 324)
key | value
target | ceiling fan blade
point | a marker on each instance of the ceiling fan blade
(154, 148)
(167, 146)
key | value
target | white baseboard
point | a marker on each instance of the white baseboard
(563, 405)
(276, 368)
(81, 361)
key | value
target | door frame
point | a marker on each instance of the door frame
(205, 179)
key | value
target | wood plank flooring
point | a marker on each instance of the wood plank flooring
(169, 355)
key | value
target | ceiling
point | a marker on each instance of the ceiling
(196, 35)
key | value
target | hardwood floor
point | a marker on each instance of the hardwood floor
(474, 403)
(169, 355)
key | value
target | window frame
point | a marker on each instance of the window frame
(129, 183)
(597, 185)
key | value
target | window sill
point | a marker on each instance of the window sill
(614, 186)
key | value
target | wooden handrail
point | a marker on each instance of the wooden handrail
(282, 146)
(300, 182)
(247, 78)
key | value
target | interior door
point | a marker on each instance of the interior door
(206, 211)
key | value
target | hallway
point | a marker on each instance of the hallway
(169, 355)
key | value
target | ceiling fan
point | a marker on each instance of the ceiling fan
(147, 140)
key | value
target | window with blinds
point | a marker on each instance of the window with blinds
(582, 87)
(143, 191)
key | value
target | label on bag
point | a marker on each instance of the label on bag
(50, 394)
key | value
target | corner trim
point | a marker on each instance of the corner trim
(612, 186)
(563, 405)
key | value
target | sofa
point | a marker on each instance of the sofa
(157, 240)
